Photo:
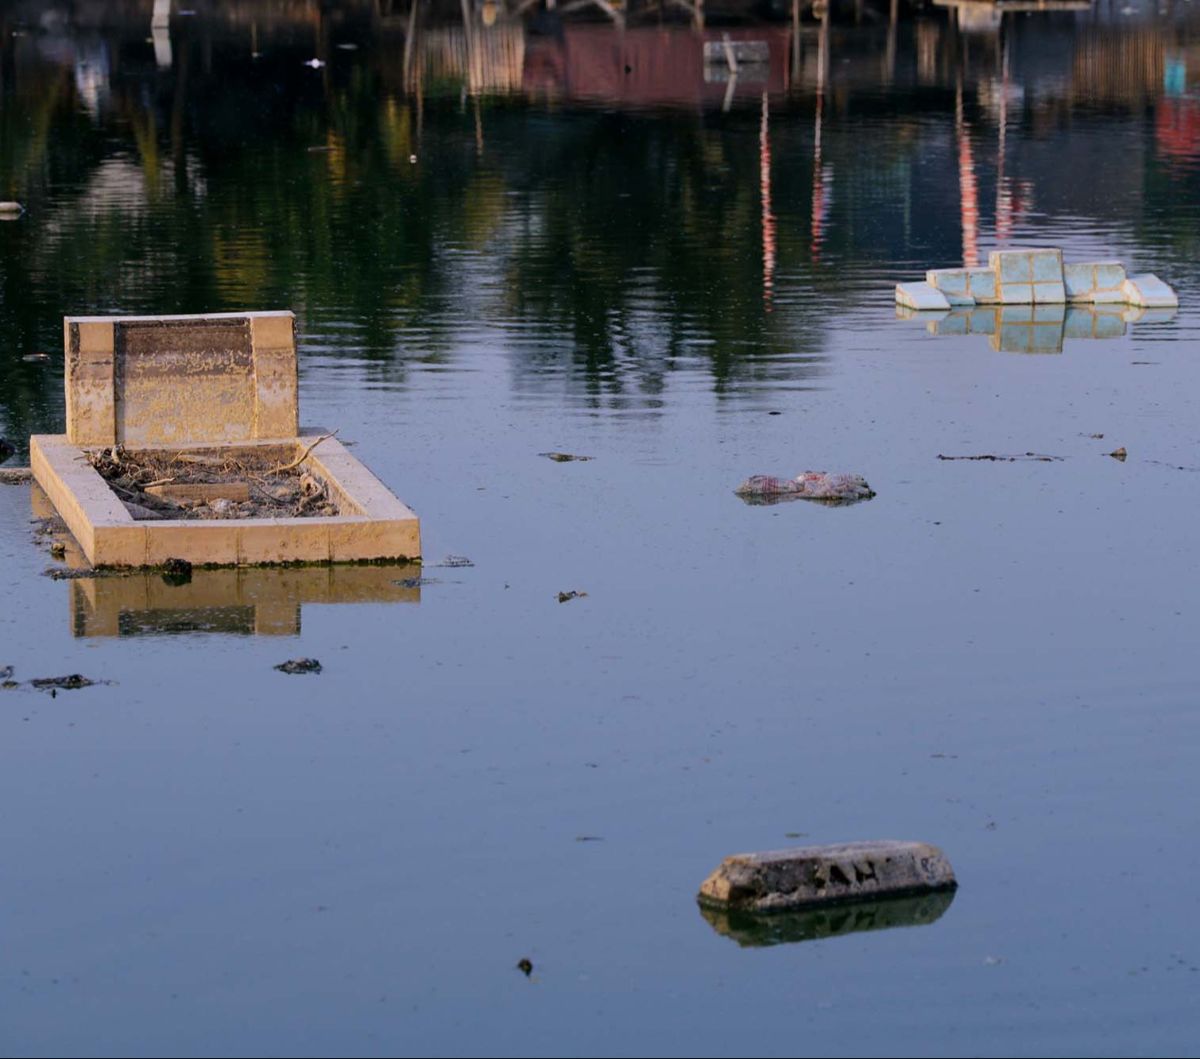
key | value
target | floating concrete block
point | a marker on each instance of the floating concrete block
(1094, 281)
(1028, 276)
(921, 296)
(1149, 292)
(964, 286)
(812, 875)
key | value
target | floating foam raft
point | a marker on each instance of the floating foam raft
(1035, 277)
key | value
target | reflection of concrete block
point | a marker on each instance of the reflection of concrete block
(1149, 292)
(964, 286)
(1027, 276)
(921, 296)
(1094, 281)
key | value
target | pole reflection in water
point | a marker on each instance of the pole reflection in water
(768, 218)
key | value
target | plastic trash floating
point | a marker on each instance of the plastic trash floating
(1034, 277)
(811, 485)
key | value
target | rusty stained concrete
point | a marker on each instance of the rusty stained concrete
(146, 381)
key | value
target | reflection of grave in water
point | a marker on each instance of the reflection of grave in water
(1035, 328)
(757, 930)
(248, 600)
(264, 601)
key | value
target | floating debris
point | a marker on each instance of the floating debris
(36, 358)
(416, 582)
(314, 64)
(300, 665)
(72, 682)
(564, 597)
(811, 485)
(525, 966)
(176, 572)
(565, 457)
(812, 875)
(1036, 456)
(11, 209)
(1119, 454)
(456, 561)
(172, 485)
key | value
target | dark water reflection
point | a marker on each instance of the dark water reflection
(573, 239)
(408, 202)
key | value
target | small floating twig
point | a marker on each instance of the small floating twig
(1006, 459)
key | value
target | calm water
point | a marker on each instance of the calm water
(594, 246)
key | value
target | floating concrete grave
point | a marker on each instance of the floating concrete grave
(219, 390)
(1034, 277)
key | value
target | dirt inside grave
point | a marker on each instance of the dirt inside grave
(214, 485)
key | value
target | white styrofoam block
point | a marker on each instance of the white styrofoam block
(964, 286)
(921, 296)
(1149, 292)
(1028, 276)
(1094, 281)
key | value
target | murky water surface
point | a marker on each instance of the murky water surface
(595, 244)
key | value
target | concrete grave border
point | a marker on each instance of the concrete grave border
(381, 527)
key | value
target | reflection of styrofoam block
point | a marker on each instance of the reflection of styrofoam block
(984, 321)
(904, 312)
(1028, 276)
(921, 296)
(953, 323)
(1134, 314)
(1030, 329)
(964, 286)
(1149, 292)
(1093, 323)
(1094, 281)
